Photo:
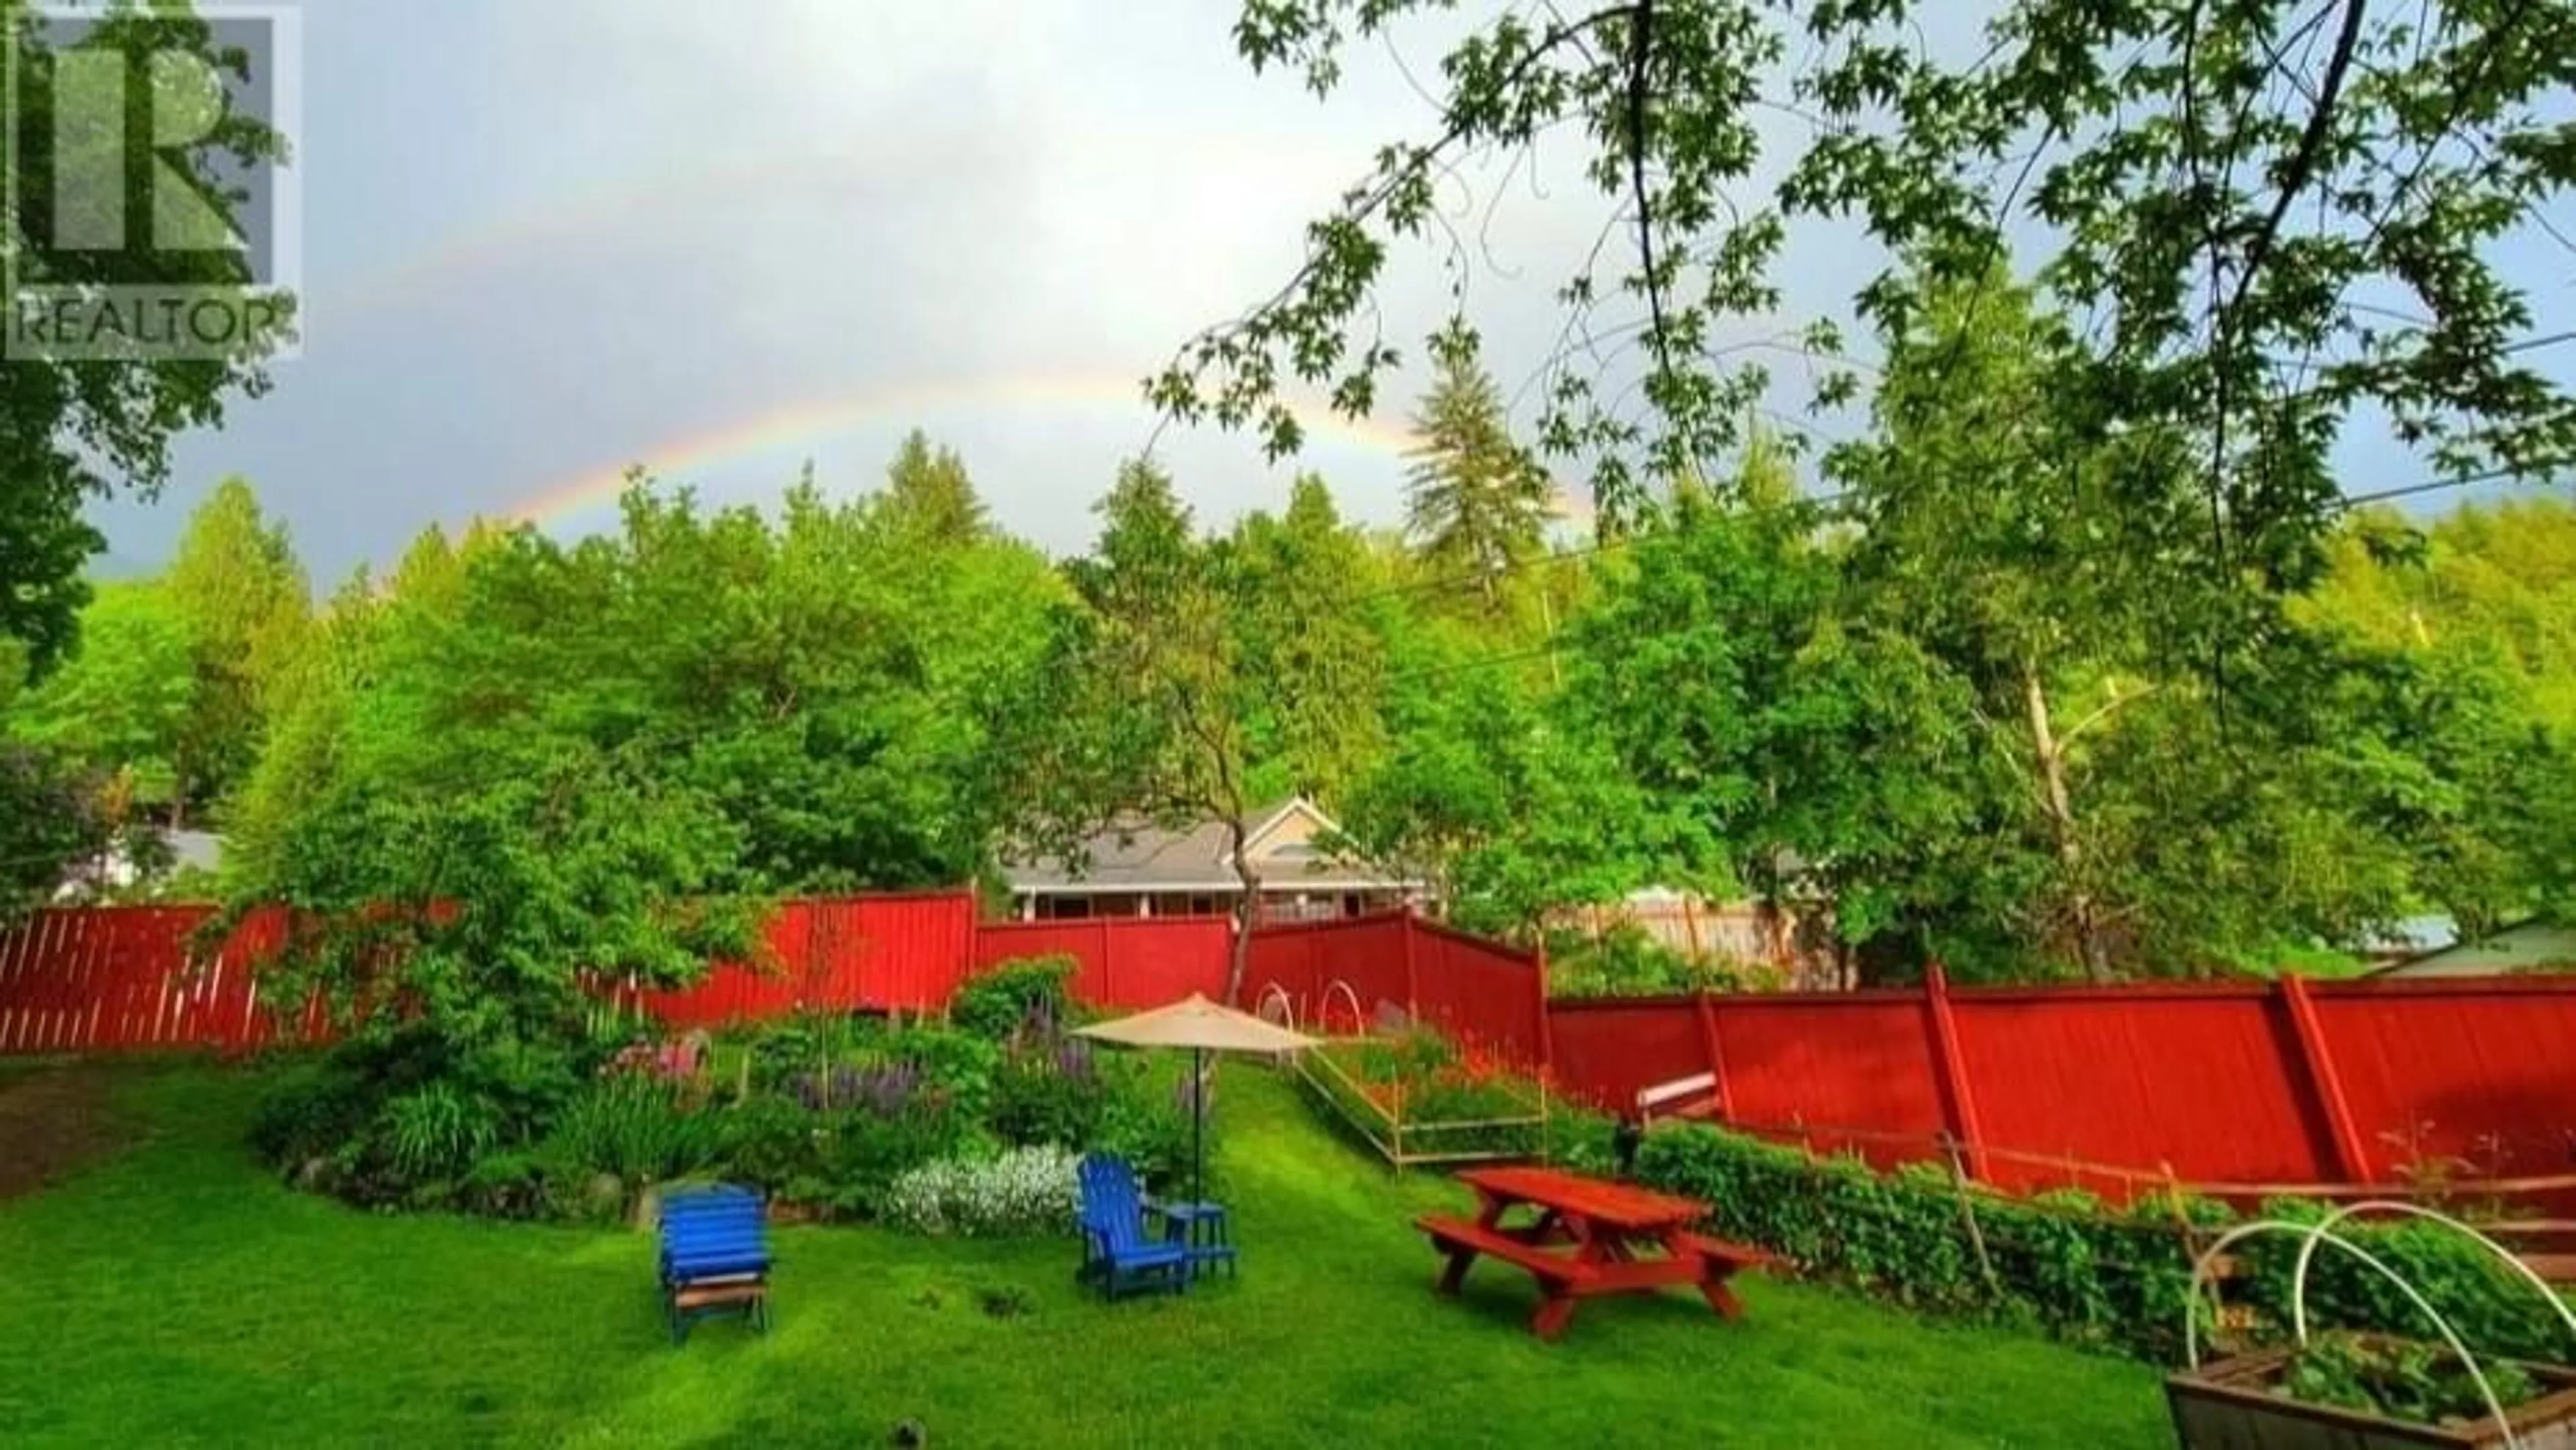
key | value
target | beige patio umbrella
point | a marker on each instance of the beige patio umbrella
(1203, 1027)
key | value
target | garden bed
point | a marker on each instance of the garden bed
(2369, 1392)
(1419, 1101)
(969, 1125)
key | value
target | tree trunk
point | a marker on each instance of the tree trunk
(2050, 758)
(1247, 912)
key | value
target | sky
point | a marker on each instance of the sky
(547, 239)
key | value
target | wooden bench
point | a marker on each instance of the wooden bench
(743, 1289)
(1697, 1096)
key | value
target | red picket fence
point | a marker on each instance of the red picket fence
(123, 978)
(119, 979)
(1127, 962)
(2216, 1085)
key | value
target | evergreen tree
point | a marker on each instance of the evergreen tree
(245, 604)
(1476, 501)
(929, 496)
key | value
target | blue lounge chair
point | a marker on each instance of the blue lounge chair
(1119, 1255)
(715, 1257)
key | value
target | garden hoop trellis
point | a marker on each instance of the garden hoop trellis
(2323, 1231)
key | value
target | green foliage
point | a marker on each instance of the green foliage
(1627, 961)
(1416, 1092)
(80, 430)
(2212, 187)
(2065, 1262)
(1475, 500)
(121, 702)
(637, 1127)
(997, 1002)
(929, 500)
(243, 605)
(2494, 1310)
(435, 1131)
(822, 1113)
(2399, 1380)
(51, 815)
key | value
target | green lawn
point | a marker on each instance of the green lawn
(177, 1296)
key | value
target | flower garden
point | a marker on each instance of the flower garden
(968, 1125)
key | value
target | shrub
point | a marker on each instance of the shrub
(955, 1067)
(309, 1113)
(1024, 1191)
(636, 1127)
(437, 1130)
(804, 1044)
(993, 1004)
(2066, 1262)
(1144, 1123)
(1048, 1092)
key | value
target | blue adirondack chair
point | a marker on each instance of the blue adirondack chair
(1119, 1256)
(715, 1257)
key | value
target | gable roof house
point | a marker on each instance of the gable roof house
(1144, 870)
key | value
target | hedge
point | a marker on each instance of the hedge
(2069, 1264)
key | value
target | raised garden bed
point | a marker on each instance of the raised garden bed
(2368, 1392)
(1419, 1101)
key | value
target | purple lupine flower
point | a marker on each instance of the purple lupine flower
(1073, 1059)
(884, 1090)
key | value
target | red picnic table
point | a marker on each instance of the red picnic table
(1586, 1240)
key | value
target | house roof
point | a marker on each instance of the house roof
(2528, 946)
(1141, 857)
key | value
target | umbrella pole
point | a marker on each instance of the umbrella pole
(1198, 1126)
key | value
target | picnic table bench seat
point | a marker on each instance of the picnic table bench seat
(1741, 1256)
(1454, 1235)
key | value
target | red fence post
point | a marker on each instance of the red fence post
(1958, 1100)
(1716, 1059)
(1103, 945)
(2343, 1138)
(1412, 977)
(1546, 1036)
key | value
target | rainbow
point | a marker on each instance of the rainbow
(815, 420)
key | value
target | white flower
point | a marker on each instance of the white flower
(1026, 1190)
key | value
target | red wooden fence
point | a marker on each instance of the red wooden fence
(119, 978)
(872, 952)
(1124, 961)
(1345, 974)
(2116, 1088)
(115, 979)
(2106, 1088)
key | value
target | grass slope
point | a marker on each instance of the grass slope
(178, 1296)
